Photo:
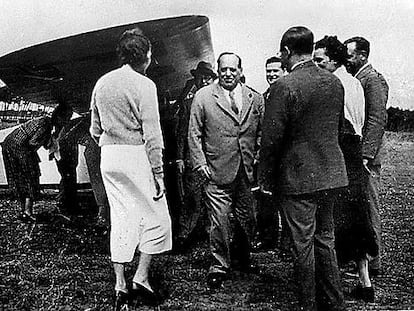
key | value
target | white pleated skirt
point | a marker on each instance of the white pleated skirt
(137, 221)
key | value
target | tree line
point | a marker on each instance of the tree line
(400, 120)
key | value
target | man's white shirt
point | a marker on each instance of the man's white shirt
(237, 96)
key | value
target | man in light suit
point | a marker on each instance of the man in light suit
(223, 138)
(300, 160)
(376, 96)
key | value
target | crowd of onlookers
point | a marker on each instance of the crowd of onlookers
(302, 161)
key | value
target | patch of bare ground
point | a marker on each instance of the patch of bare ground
(61, 265)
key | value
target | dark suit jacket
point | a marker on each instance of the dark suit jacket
(376, 96)
(184, 103)
(300, 152)
(218, 138)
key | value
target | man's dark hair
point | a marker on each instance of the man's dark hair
(273, 59)
(361, 45)
(229, 53)
(298, 39)
(133, 47)
(335, 50)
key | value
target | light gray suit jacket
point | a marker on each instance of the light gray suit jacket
(376, 96)
(217, 137)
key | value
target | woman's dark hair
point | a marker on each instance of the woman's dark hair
(298, 39)
(335, 50)
(133, 47)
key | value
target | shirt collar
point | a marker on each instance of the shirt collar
(300, 63)
(236, 90)
(362, 68)
(340, 71)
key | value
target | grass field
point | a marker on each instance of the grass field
(56, 265)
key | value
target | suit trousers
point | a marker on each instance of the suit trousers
(92, 155)
(374, 205)
(231, 213)
(193, 215)
(310, 221)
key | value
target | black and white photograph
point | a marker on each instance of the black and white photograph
(206, 155)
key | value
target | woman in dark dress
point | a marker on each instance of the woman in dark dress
(21, 161)
(354, 233)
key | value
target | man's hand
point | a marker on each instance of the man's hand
(180, 166)
(365, 163)
(265, 192)
(205, 170)
(159, 186)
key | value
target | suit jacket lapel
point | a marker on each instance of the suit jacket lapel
(223, 103)
(247, 98)
(364, 72)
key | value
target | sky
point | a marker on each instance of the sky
(250, 28)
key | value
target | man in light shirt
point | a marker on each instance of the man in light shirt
(223, 138)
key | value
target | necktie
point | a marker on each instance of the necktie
(233, 103)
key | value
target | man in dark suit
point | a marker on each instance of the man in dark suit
(301, 160)
(223, 138)
(192, 213)
(267, 214)
(376, 96)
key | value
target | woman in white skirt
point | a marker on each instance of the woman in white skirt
(126, 125)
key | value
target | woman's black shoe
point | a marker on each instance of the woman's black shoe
(27, 218)
(121, 301)
(142, 295)
(215, 280)
(363, 293)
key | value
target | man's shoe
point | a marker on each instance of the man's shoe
(215, 280)
(252, 269)
(375, 272)
(24, 217)
(363, 293)
(262, 246)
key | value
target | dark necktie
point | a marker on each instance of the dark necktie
(233, 103)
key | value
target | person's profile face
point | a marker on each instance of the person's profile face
(228, 71)
(273, 72)
(322, 60)
(354, 61)
(203, 80)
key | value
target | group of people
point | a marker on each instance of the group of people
(314, 139)
(60, 134)
(307, 152)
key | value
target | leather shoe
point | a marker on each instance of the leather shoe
(24, 217)
(121, 301)
(252, 269)
(215, 280)
(263, 246)
(374, 272)
(143, 295)
(363, 293)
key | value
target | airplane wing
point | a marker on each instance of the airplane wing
(68, 68)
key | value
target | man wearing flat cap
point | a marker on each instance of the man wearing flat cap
(190, 187)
